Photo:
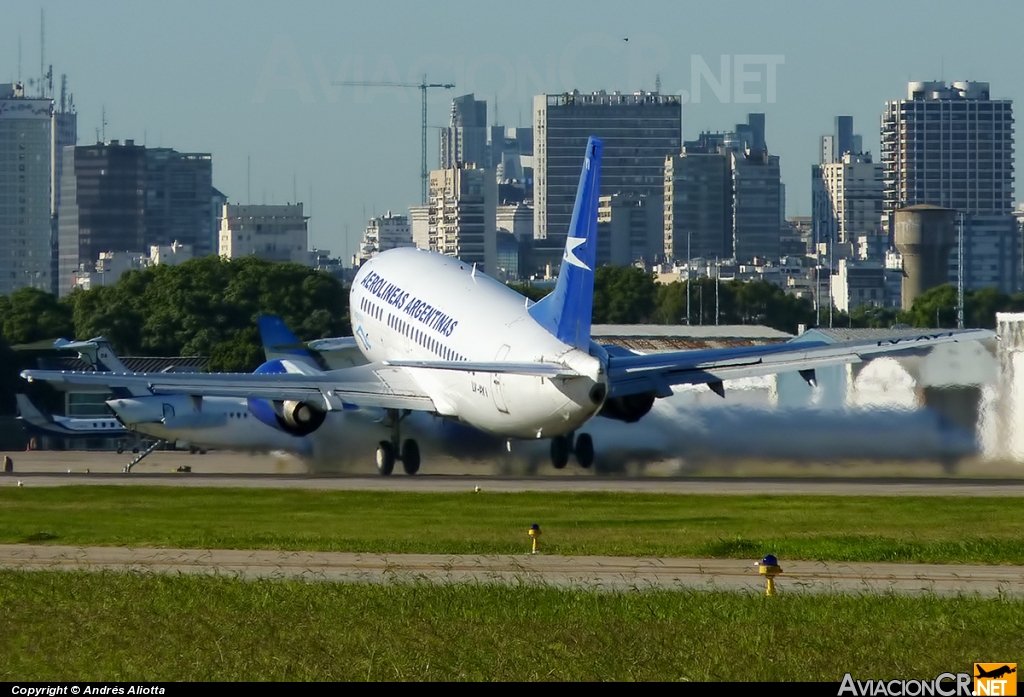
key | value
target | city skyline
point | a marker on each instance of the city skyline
(253, 83)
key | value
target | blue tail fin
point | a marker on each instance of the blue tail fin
(567, 311)
(280, 342)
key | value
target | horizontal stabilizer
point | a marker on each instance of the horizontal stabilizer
(544, 370)
(656, 373)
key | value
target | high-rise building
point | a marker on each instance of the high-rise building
(626, 230)
(698, 203)
(724, 197)
(953, 147)
(179, 200)
(26, 190)
(419, 225)
(639, 131)
(274, 233)
(462, 215)
(383, 233)
(65, 133)
(516, 218)
(756, 206)
(846, 197)
(103, 203)
(464, 141)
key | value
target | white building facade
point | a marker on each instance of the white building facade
(383, 233)
(271, 232)
(462, 215)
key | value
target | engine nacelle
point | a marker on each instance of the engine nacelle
(295, 418)
(630, 408)
(299, 418)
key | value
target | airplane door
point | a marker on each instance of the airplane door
(497, 385)
(168, 412)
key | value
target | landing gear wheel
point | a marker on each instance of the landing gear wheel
(559, 452)
(385, 458)
(584, 450)
(410, 457)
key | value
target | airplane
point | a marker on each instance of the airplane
(36, 423)
(442, 337)
(995, 672)
(213, 422)
(250, 425)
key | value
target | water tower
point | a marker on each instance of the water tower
(924, 235)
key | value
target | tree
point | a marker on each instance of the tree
(623, 295)
(532, 292)
(30, 314)
(936, 307)
(208, 307)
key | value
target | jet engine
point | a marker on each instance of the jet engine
(630, 408)
(292, 417)
(299, 418)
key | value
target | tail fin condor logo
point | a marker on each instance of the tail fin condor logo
(571, 243)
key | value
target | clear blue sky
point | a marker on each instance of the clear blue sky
(246, 79)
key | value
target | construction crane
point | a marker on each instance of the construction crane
(422, 86)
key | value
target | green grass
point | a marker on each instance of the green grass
(127, 627)
(924, 529)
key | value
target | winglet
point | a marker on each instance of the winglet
(567, 311)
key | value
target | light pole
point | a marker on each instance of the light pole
(718, 272)
(960, 275)
(688, 274)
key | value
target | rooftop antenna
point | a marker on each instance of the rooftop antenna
(295, 189)
(104, 123)
(19, 57)
(657, 83)
(248, 180)
(63, 92)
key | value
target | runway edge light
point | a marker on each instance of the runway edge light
(534, 533)
(769, 568)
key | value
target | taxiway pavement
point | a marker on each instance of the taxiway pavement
(592, 572)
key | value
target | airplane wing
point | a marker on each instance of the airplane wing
(371, 385)
(635, 374)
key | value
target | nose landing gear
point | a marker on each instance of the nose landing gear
(388, 450)
(581, 446)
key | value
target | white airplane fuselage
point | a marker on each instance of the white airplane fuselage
(412, 304)
(212, 422)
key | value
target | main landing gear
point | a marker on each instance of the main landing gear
(563, 446)
(388, 451)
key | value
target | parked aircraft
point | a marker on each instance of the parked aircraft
(442, 337)
(37, 423)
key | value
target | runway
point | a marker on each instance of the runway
(602, 573)
(709, 486)
(241, 470)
